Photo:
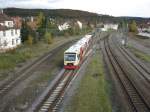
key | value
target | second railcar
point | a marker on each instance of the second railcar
(74, 55)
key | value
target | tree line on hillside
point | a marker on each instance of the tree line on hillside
(49, 12)
(72, 14)
(46, 30)
(62, 13)
(125, 26)
(53, 13)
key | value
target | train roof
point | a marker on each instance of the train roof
(84, 39)
(76, 47)
(88, 36)
(73, 49)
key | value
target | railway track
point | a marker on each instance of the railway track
(27, 71)
(140, 67)
(136, 101)
(51, 98)
(55, 95)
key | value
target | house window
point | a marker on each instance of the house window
(16, 41)
(5, 43)
(16, 32)
(4, 33)
(10, 24)
(13, 42)
(12, 33)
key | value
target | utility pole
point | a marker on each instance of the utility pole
(46, 23)
(124, 32)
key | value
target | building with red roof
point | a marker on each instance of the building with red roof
(9, 33)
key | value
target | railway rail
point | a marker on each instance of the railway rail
(141, 69)
(56, 94)
(50, 99)
(136, 100)
(27, 71)
(139, 66)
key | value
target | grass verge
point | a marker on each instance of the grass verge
(140, 54)
(37, 84)
(17, 57)
(92, 93)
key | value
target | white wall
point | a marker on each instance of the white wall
(111, 26)
(65, 26)
(10, 41)
(2, 24)
(9, 23)
(144, 34)
(80, 24)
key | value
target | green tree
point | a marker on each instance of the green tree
(48, 38)
(123, 26)
(76, 29)
(34, 35)
(24, 31)
(51, 24)
(133, 27)
(88, 25)
(30, 40)
(41, 24)
(40, 20)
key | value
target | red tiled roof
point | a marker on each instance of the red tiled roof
(4, 17)
(2, 28)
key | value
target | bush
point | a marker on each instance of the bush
(30, 40)
(12, 51)
(133, 27)
(66, 34)
(48, 38)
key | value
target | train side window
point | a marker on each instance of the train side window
(78, 56)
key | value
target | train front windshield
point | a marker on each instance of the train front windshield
(70, 57)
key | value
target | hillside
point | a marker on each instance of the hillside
(71, 14)
(49, 12)
(60, 13)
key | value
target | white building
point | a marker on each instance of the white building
(110, 26)
(64, 26)
(80, 24)
(144, 34)
(9, 33)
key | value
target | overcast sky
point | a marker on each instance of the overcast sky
(140, 8)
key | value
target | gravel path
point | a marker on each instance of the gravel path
(142, 45)
(141, 40)
(139, 44)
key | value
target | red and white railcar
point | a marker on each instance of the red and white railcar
(75, 54)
